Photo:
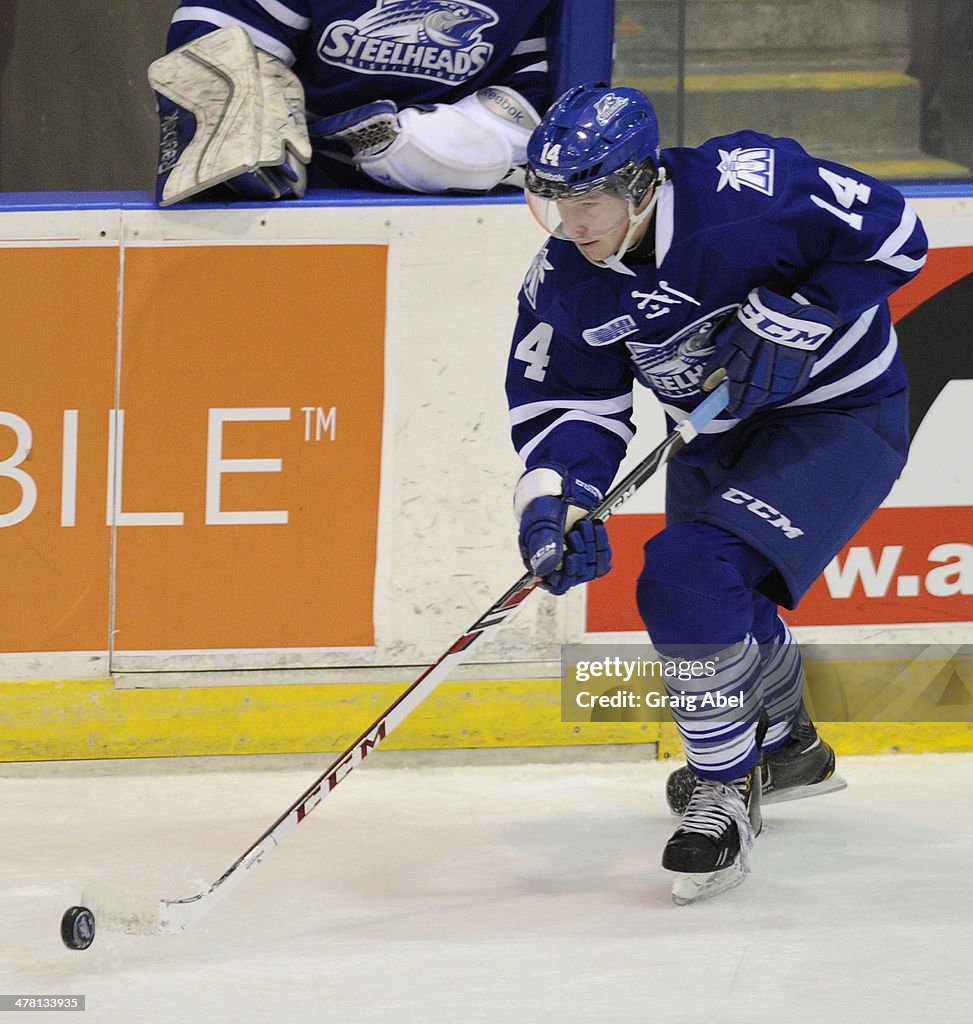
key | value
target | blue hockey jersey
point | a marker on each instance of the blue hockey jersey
(740, 211)
(350, 52)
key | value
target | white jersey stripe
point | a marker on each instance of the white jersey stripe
(875, 368)
(538, 45)
(906, 263)
(664, 221)
(611, 425)
(889, 251)
(847, 341)
(220, 20)
(285, 15)
(598, 407)
(713, 427)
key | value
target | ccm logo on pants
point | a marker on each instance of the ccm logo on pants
(763, 510)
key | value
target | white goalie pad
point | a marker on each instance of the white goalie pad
(468, 146)
(248, 107)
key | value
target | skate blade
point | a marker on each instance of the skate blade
(832, 784)
(691, 888)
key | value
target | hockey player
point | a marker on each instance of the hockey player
(747, 256)
(267, 96)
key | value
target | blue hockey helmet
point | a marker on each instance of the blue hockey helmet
(590, 165)
(594, 137)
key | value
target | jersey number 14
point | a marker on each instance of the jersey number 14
(846, 192)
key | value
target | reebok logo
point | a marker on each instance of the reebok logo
(762, 510)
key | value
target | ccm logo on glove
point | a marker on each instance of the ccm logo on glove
(775, 325)
(768, 350)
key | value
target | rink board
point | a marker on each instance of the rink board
(244, 450)
(92, 719)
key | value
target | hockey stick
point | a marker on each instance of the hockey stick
(117, 911)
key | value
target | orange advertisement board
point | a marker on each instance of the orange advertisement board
(228, 498)
(251, 381)
(60, 332)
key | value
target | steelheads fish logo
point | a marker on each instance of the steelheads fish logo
(436, 39)
(673, 367)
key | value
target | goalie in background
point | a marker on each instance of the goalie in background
(749, 257)
(264, 98)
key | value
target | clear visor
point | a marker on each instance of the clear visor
(590, 217)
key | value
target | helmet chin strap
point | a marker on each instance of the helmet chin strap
(635, 220)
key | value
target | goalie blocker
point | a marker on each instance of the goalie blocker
(229, 114)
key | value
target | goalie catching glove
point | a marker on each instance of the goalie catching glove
(556, 543)
(768, 349)
(467, 146)
(229, 113)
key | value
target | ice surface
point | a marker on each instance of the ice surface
(483, 892)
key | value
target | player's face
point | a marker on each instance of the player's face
(592, 216)
(584, 219)
(597, 222)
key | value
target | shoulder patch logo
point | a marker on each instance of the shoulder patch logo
(437, 39)
(535, 276)
(753, 168)
(614, 330)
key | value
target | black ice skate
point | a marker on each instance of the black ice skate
(709, 851)
(804, 767)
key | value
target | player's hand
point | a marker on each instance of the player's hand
(561, 554)
(768, 349)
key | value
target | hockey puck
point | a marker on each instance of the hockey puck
(78, 928)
